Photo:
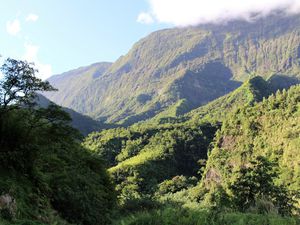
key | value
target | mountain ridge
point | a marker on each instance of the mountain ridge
(83, 123)
(187, 63)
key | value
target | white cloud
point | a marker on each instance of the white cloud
(31, 52)
(32, 17)
(145, 18)
(45, 71)
(13, 27)
(31, 55)
(192, 12)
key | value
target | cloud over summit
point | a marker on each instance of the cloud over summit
(193, 12)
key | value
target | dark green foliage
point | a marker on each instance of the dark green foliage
(143, 170)
(82, 193)
(163, 168)
(181, 216)
(143, 157)
(255, 183)
(19, 85)
(46, 174)
(176, 184)
(22, 222)
(80, 122)
(154, 162)
(267, 131)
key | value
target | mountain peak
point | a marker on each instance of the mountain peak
(198, 64)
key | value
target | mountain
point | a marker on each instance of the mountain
(168, 149)
(185, 161)
(269, 129)
(252, 90)
(81, 122)
(194, 64)
(73, 86)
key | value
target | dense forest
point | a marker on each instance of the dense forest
(234, 160)
(46, 175)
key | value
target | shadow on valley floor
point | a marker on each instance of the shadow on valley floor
(280, 82)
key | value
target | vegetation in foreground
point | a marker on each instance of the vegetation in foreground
(175, 215)
(173, 172)
(46, 175)
(251, 170)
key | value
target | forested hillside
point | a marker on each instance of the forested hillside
(162, 160)
(194, 65)
(269, 129)
(46, 175)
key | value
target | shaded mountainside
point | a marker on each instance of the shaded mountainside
(197, 64)
(250, 92)
(83, 123)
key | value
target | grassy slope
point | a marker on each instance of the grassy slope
(176, 216)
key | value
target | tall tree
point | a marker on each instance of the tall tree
(256, 182)
(19, 84)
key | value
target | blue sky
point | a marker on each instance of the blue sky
(60, 35)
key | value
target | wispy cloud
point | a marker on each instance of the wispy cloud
(13, 27)
(192, 12)
(31, 55)
(145, 18)
(32, 17)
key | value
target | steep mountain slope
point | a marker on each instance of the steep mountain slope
(270, 129)
(252, 90)
(81, 122)
(73, 85)
(195, 64)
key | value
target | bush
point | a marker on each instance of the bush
(180, 216)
